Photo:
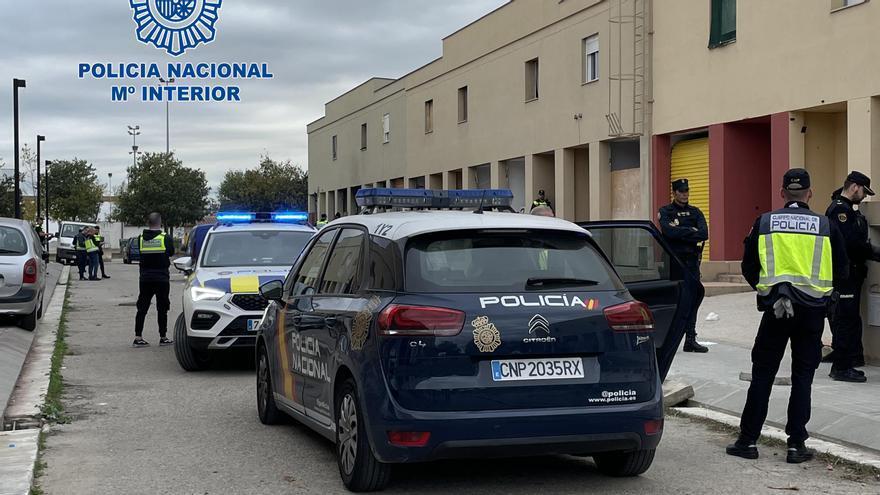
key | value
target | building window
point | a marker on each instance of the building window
(842, 4)
(386, 128)
(429, 116)
(462, 104)
(723, 23)
(363, 137)
(591, 59)
(333, 148)
(532, 80)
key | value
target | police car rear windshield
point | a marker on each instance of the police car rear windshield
(521, 261)
(254, 248)
(12, 242)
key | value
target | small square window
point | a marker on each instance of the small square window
(591, 59)
(532, 80)
(462, 104)
(723, 23)
(386, 128)
(363, 137)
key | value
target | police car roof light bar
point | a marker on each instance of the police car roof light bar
(233, 217)
(478, 199)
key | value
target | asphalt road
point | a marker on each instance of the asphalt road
(142, 425)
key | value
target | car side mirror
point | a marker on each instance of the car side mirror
(57, 234)
(273, 290)
(184, 264)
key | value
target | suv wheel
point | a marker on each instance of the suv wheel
(29, 322)
(359, 468)
(266, 407)
(624, 464)
(189, 358)
(40, 308)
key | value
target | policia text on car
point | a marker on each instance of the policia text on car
(846, 320)
(794, 258)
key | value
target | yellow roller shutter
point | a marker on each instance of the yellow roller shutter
(690, 160)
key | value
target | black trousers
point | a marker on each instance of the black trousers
(82, 261)
(694, 290)
(846, 327)
(101, 262)
(805, 333)
(148, 289)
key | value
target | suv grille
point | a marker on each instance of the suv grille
(250, 302)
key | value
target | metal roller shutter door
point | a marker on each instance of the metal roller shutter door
(690, 160)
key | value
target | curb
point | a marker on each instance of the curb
(24, 408)
(18, 456)
(849, 454)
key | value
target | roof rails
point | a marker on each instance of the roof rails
(382, 199)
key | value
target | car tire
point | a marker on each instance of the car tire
(189, 358)
(40, 308)
(358, 467)
(266, 407)
(126, 261)
(624, 464)
(29, 322)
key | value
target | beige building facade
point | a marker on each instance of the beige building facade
(537, 95)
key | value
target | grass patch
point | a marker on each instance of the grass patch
(53, 409)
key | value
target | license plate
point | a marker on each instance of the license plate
(537, 369)
(252, 325)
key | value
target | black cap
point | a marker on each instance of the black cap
(796, 179)
(680, 185)
(861, 179)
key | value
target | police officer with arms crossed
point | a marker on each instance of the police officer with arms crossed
(794, 258)
(156, 252)
(99, 241)
(846, 320)
(684, 228)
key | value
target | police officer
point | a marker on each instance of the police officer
(79, 247)
(91, 253)
(846, 320)
(156, 252)
(541, 200)
(684, 227)
(322, 222)
(99, 241)
(793, 258)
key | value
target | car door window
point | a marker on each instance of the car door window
(306, 278)
(343, 269)
(634, 252)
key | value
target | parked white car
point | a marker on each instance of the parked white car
(22, 272)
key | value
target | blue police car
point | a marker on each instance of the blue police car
(410, 336)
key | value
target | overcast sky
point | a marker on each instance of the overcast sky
(317, 49)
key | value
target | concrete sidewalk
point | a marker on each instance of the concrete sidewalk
(847, 413)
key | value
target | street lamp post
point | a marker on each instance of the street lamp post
(16, 84)
(110, 183)
(134, 132)
(40, 139)
(48, 163)
(167, 82)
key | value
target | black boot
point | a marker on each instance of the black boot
(691, 345)
(798, 453)
(743, 449)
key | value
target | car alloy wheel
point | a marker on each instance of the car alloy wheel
(263, 383)
(348, 433)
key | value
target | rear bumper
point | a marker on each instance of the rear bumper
(474, 434)
(21, 303)
(65, 254)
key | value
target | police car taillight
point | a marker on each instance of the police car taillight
(632, 316)
(405, 320)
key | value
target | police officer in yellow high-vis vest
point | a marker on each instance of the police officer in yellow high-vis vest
(92, 250)
(794, 258)
(99, 241)
(156, 252)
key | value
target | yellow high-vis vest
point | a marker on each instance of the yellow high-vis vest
(154, 245)
(794, 247)
(91, 247)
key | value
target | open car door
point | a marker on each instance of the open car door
(644, 263)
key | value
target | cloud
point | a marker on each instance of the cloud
(316, 50)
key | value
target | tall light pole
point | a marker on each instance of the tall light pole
(16, 84)
(167, 82)
(40, 139)
(134, 132)
(110, 183)
(48, 163)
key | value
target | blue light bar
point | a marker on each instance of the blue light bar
(290, 216)
(235, 217)
(428, 198)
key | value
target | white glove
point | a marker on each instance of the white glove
(782, 308)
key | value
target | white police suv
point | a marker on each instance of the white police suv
(412, 336)
(221, 300)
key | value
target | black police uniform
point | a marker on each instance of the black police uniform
(846, 322)
(804, 330)
(154, 281)
(684, 228)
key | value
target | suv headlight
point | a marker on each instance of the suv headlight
(206, 294)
